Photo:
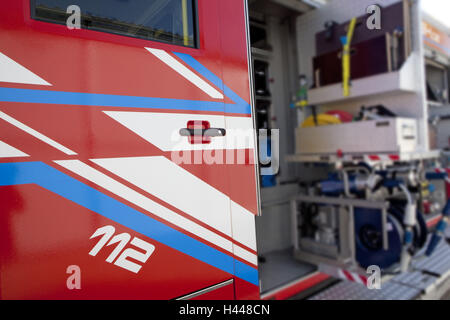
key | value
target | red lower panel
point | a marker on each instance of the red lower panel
(245, 290)
(41, 234)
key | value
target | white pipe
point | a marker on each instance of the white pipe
(409, 220)
(410, 210)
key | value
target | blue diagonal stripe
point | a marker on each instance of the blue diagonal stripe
(197, 66)
(108, 100)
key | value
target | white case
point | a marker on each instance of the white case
(396, 135)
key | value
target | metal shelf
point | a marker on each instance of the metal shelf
(435, 104)
(263, 98)
(402, 81)
(372, 159)
(261, 53)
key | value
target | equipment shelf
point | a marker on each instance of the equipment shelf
(391, 83)
(372, 159)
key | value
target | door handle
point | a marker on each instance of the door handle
(200, 132)
(211, 132)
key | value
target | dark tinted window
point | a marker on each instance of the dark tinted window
(171, 21)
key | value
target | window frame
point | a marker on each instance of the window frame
(446, 77)
(195, 22)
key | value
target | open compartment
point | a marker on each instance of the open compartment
(290, 42)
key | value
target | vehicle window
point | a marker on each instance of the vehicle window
(170, 21)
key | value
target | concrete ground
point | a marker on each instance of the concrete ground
(446, 296)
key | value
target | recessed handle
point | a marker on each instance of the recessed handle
(211, 132)
(200, 132)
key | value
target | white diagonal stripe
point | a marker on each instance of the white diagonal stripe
(356, 278)
(243, 224)
(186, 73)
(244, 254)
(149, 205)
(36, 134)
(174, 185)
(162, 130)
(341, 274)
(7, 151)
(11, 71)
(171, 183)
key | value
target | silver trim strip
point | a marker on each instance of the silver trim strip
(252, 103)
(204, 291)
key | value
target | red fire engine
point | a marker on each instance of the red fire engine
(92, 119)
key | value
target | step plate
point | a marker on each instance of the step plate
(407, 286)
(417, 280)
(354, 291)
(439, 263)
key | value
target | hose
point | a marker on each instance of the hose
(409, 221)
(440, 230)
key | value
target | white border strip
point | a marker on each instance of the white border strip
(244, 254)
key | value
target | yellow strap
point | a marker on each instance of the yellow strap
(301, 103)
(346, 59)
(185, 22)
(322, 120)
